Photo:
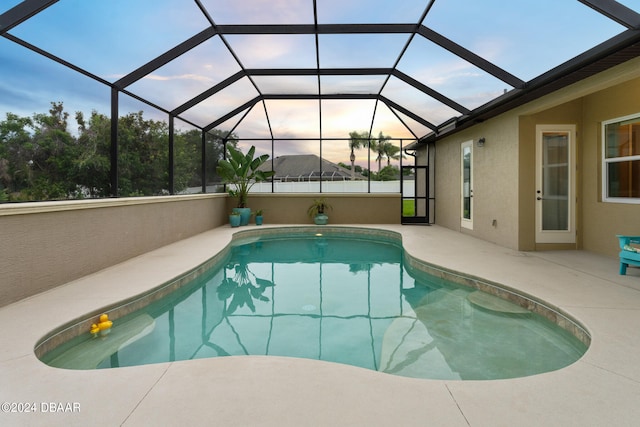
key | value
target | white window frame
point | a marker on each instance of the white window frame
(605, 162)
(464, 222)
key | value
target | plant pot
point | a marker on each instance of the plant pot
(234, 220)
(321, 219)
(258, 219)
(245, 215)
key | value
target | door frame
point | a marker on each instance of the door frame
(464, 221)
(421, 196)
(556, 236)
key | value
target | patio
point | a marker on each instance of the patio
(602, 388)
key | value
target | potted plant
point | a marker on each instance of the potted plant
(240, 171)
(259, 217)
(317, 211)
(234, 219)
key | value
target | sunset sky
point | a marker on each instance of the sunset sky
(111, 38)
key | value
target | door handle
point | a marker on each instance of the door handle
(538, 198)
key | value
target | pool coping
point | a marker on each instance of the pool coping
(82, 325)
(602, 388)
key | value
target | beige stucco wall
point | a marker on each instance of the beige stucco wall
(603, 220)
(569, 113)
(504, 169)
(611, 94)
(43, 245)
(494, 181)
(348, 208)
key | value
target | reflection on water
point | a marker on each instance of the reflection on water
(342, 300)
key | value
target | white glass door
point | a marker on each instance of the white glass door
(555, 184)
(466, 166)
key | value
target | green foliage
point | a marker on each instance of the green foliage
(388, 173)
(214, 152)
(242, 171)
(381, 146)
(408, 207)
(142, 161)
(319, 206)
(358, 140)
(93, 163)
(40, 159)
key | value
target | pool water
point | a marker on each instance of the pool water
(348, 300)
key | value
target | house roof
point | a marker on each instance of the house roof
(307, 167)
(321, 68)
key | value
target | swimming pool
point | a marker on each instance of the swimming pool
(343, 297)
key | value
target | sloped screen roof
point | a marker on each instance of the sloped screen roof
(301, 68)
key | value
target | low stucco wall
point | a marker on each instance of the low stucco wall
(44, 245)
(348, 208)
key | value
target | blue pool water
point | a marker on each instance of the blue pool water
(345, 299)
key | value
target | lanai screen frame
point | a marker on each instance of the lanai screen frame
(612, 52)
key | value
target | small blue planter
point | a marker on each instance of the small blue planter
(234, 220)
(245, 215)
(258, 219)
(321, 219)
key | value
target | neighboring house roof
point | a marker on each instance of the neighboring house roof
(306, 167)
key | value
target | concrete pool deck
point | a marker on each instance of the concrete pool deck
(602, 388)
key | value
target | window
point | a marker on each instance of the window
(621, 160)
(466, 166)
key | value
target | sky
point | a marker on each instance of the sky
(111, 38)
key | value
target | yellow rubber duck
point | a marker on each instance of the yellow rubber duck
(94, 330)
(105, 324)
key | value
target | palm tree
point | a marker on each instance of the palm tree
(391, 152)
(380, 146)
(357, 140)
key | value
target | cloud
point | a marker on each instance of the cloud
(260, 11)
(194, 77)
(274, 50)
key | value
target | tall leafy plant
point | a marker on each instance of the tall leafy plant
(242, 171)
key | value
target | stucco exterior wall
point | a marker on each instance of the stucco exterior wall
(504, 169)
(494, 181)
(569, 113)
(603, 220)
(348, 208)
(43, 245)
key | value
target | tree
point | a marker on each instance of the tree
(52, 155)
(41, 160)
(383, 148)
(391, 152)
(215, 140)
(388, 173)
(357, 140)
(15, 152)
(93, 164)
(187, 159)
(142, 162)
